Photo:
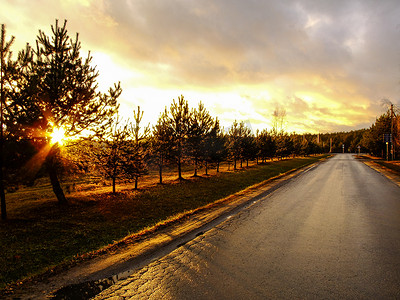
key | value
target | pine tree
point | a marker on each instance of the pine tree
(178, 120)
(373, 138)
(236, 142)
(284, 145)
(59, 93)
(136, 150)
(161, 143)
(201, 125)
(265, 144)
(108, 151)
(215, 142)
(249, 149)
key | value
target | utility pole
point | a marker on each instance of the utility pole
(391, 132)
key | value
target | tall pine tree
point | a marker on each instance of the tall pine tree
(161, 143)
(201, 125)
(178, 120)
(137, 149)
(60, 94)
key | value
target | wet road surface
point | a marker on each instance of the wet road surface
(333, 232)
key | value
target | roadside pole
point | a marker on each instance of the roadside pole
(387, 150)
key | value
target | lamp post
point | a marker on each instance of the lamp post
(387, 150)
(391, 132)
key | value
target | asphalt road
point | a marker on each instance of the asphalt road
(333, 232)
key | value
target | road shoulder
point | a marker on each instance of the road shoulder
(387, 172)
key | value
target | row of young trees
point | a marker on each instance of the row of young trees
(51, 88)
(189, 136)
(193, 136)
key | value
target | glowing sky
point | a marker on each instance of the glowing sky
(328, 63)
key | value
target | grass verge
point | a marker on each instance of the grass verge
(43, 234)
(394, 166)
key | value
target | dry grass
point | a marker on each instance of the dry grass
(393, 165)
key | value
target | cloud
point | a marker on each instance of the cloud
(325, 62)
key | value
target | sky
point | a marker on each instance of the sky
(327, 63)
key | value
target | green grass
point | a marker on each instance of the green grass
(40, 234)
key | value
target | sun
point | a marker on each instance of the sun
(57, 136)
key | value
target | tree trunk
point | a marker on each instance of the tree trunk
(206, 168)
(160, 168)
(3, 197)
(179, 168)
(179, 160)
(136, 182)
(56, 184)
(234, 164)
(160, 172)
(52, 171)
(195, 167)
(113, 185)
(2, 193)
(217, 166)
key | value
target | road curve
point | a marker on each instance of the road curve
(333, 232)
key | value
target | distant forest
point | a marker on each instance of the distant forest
(50, 89)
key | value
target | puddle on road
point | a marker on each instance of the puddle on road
(89, 289)
(82, 291)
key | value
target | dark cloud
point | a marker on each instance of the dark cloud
(213, 43)
(251, 40)
(343, 54)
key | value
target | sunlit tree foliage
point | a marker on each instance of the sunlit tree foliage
(58, 90)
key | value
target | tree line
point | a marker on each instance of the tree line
(51, 87)
(382, 139)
